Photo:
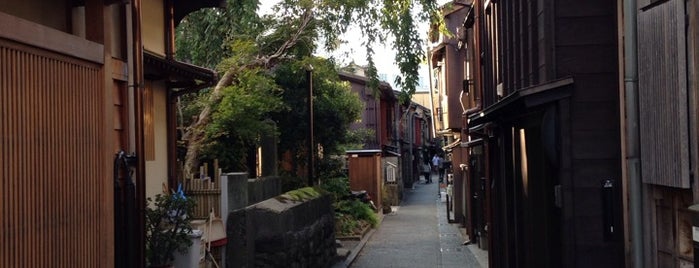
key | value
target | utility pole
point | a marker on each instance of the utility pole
(311, 142)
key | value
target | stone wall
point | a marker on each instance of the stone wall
(239, 191)
(279, 232)
(260, 189)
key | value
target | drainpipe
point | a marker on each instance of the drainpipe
(138, 130)
(429, 72)
(411, 145)
(632, 133)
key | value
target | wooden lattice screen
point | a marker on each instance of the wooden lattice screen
(662, 93)
(51, 164)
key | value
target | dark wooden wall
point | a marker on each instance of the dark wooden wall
(530, 43)
(591, 58)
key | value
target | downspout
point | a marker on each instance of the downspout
(171, 112)
(632, 133)
(476, 65)
(411, 146)
(138, 130)
(429, 72)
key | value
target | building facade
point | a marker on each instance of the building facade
(660, 123)
(78, 88)
(541, 182)
(451, 86)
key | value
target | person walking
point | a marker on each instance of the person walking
(441, 168)
(438, 166)
(435, 163)
(426, 172)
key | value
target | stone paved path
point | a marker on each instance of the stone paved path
(417, 235)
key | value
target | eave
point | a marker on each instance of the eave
(180, 77)
(384, 87)
(520, 100)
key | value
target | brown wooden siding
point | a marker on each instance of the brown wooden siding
(455, 84)
(365, 174)
(662, 87)
(51, 175)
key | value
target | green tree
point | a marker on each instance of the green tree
(292, 33)
(335, 107)
(204, 37)
(237, 120)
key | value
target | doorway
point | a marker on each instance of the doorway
(537, 215)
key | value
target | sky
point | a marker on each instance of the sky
(354, 51)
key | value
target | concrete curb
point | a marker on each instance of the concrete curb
(355, 251)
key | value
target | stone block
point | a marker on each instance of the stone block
(284, 233)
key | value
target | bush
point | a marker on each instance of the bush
(338, 188)
(351, 215)
(167, 227)
(330, 167)
(357, 210)
(345, 225)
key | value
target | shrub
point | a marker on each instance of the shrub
(338, 188)
(301, 194)
(357, 210)
(345, 225)
(167, 227)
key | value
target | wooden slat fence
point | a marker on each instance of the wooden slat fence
(206, 192)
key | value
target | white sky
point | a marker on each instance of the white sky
(354, 51)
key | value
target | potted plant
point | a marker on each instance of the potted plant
(168, 228)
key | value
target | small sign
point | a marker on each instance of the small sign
(390, 174)
(355, 156)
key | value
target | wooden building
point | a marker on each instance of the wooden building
(72, 95)
(380, 116)
(544, 133)
(664, 158)
(379, 113)
(450, 84)
(415, 141)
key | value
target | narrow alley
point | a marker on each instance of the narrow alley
(417, 234)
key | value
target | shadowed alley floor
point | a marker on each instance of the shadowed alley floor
(417, 235)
